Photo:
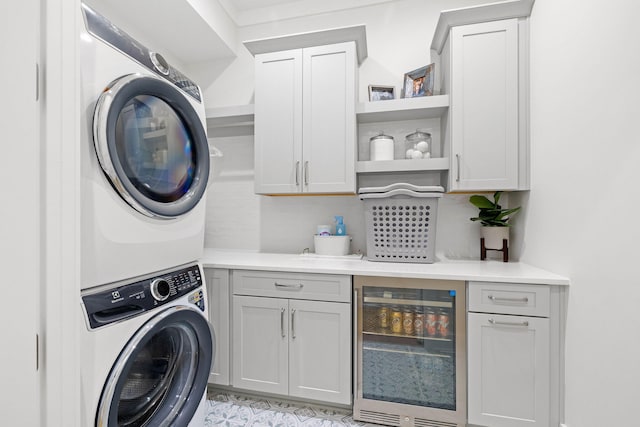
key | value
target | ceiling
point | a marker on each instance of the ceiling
(252, 12)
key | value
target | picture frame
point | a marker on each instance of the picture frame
(419, 82)
(381, 93)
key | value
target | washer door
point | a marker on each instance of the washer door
(152, 145)
(160, 377)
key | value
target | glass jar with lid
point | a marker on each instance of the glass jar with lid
(418, 145)
(381, 147)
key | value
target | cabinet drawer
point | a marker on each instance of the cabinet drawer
(321, 287)
(509, 298)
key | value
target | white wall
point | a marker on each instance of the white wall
(398, 39)
(581, 213)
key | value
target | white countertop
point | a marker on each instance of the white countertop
(468, 270)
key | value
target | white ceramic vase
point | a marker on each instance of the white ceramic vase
(493, 236)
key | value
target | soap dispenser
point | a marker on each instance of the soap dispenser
(341, 229)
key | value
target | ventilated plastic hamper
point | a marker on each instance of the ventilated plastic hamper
(401, 224)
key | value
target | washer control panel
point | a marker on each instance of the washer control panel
(133, 298)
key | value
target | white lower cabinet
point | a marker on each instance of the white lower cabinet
(218, 292)
(508, 356)
(294, 347)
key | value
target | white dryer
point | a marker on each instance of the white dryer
(145, 158)
(147, 350)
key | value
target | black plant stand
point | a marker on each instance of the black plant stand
(504, 250)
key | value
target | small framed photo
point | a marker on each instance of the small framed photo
(381, 93)
(419, 82)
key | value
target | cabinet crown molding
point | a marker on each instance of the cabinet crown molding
(356, 33)
(475, 14)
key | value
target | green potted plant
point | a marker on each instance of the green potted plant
(494, 220)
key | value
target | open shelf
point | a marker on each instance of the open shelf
(230, 121)
(409, 165)
(402, 109)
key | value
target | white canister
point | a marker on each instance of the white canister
(381, 147)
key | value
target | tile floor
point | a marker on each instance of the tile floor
(236, 410)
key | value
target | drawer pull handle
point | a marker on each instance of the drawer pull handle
(496, 322)
(294, 286)
(297, 173)
(282, 310)
(293, 328)
(502, 299)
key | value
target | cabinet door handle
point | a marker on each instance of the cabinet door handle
(497, 322)
(297, 173)
(503, 299)
(282, 310)
(284, 286)
(306, 173)
(457, 167)
(293, 328)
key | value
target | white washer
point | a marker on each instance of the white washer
(145, 158)
(147, 350)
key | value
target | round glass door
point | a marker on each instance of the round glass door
(152, 146)
(161, 375)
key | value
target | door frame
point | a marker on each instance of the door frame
(60, 214)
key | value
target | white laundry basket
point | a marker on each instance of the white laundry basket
(401, 222)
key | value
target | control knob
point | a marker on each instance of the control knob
(160, 289)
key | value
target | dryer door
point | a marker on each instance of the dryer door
(152, 145)
(161, 375)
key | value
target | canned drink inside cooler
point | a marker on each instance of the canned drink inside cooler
(418, 323)
(383, 317)
(443, 324)
(396, 321)
(407, 322)
(431, 324)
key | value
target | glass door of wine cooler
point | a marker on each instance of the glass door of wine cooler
(410, 367)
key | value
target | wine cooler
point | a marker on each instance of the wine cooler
(410, 362)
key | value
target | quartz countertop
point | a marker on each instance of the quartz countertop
(443, 269)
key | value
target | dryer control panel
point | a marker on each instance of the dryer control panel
(134, 298)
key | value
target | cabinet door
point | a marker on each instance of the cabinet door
(320, 351)
(260, 344)
(508, 370)
(278, 122)
(484, 106)
(329, 119)
(217, 281)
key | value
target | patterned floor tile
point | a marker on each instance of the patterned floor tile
(236, 410)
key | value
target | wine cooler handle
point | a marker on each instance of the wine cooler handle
(293, 328)
(497, 322)
(282, 310)
(496, 299)
(355, 344)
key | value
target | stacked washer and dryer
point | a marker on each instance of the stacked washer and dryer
(147, 345)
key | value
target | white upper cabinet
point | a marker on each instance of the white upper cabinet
(484, 112)
(278, 122)
(485, 67)
(305, 125)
